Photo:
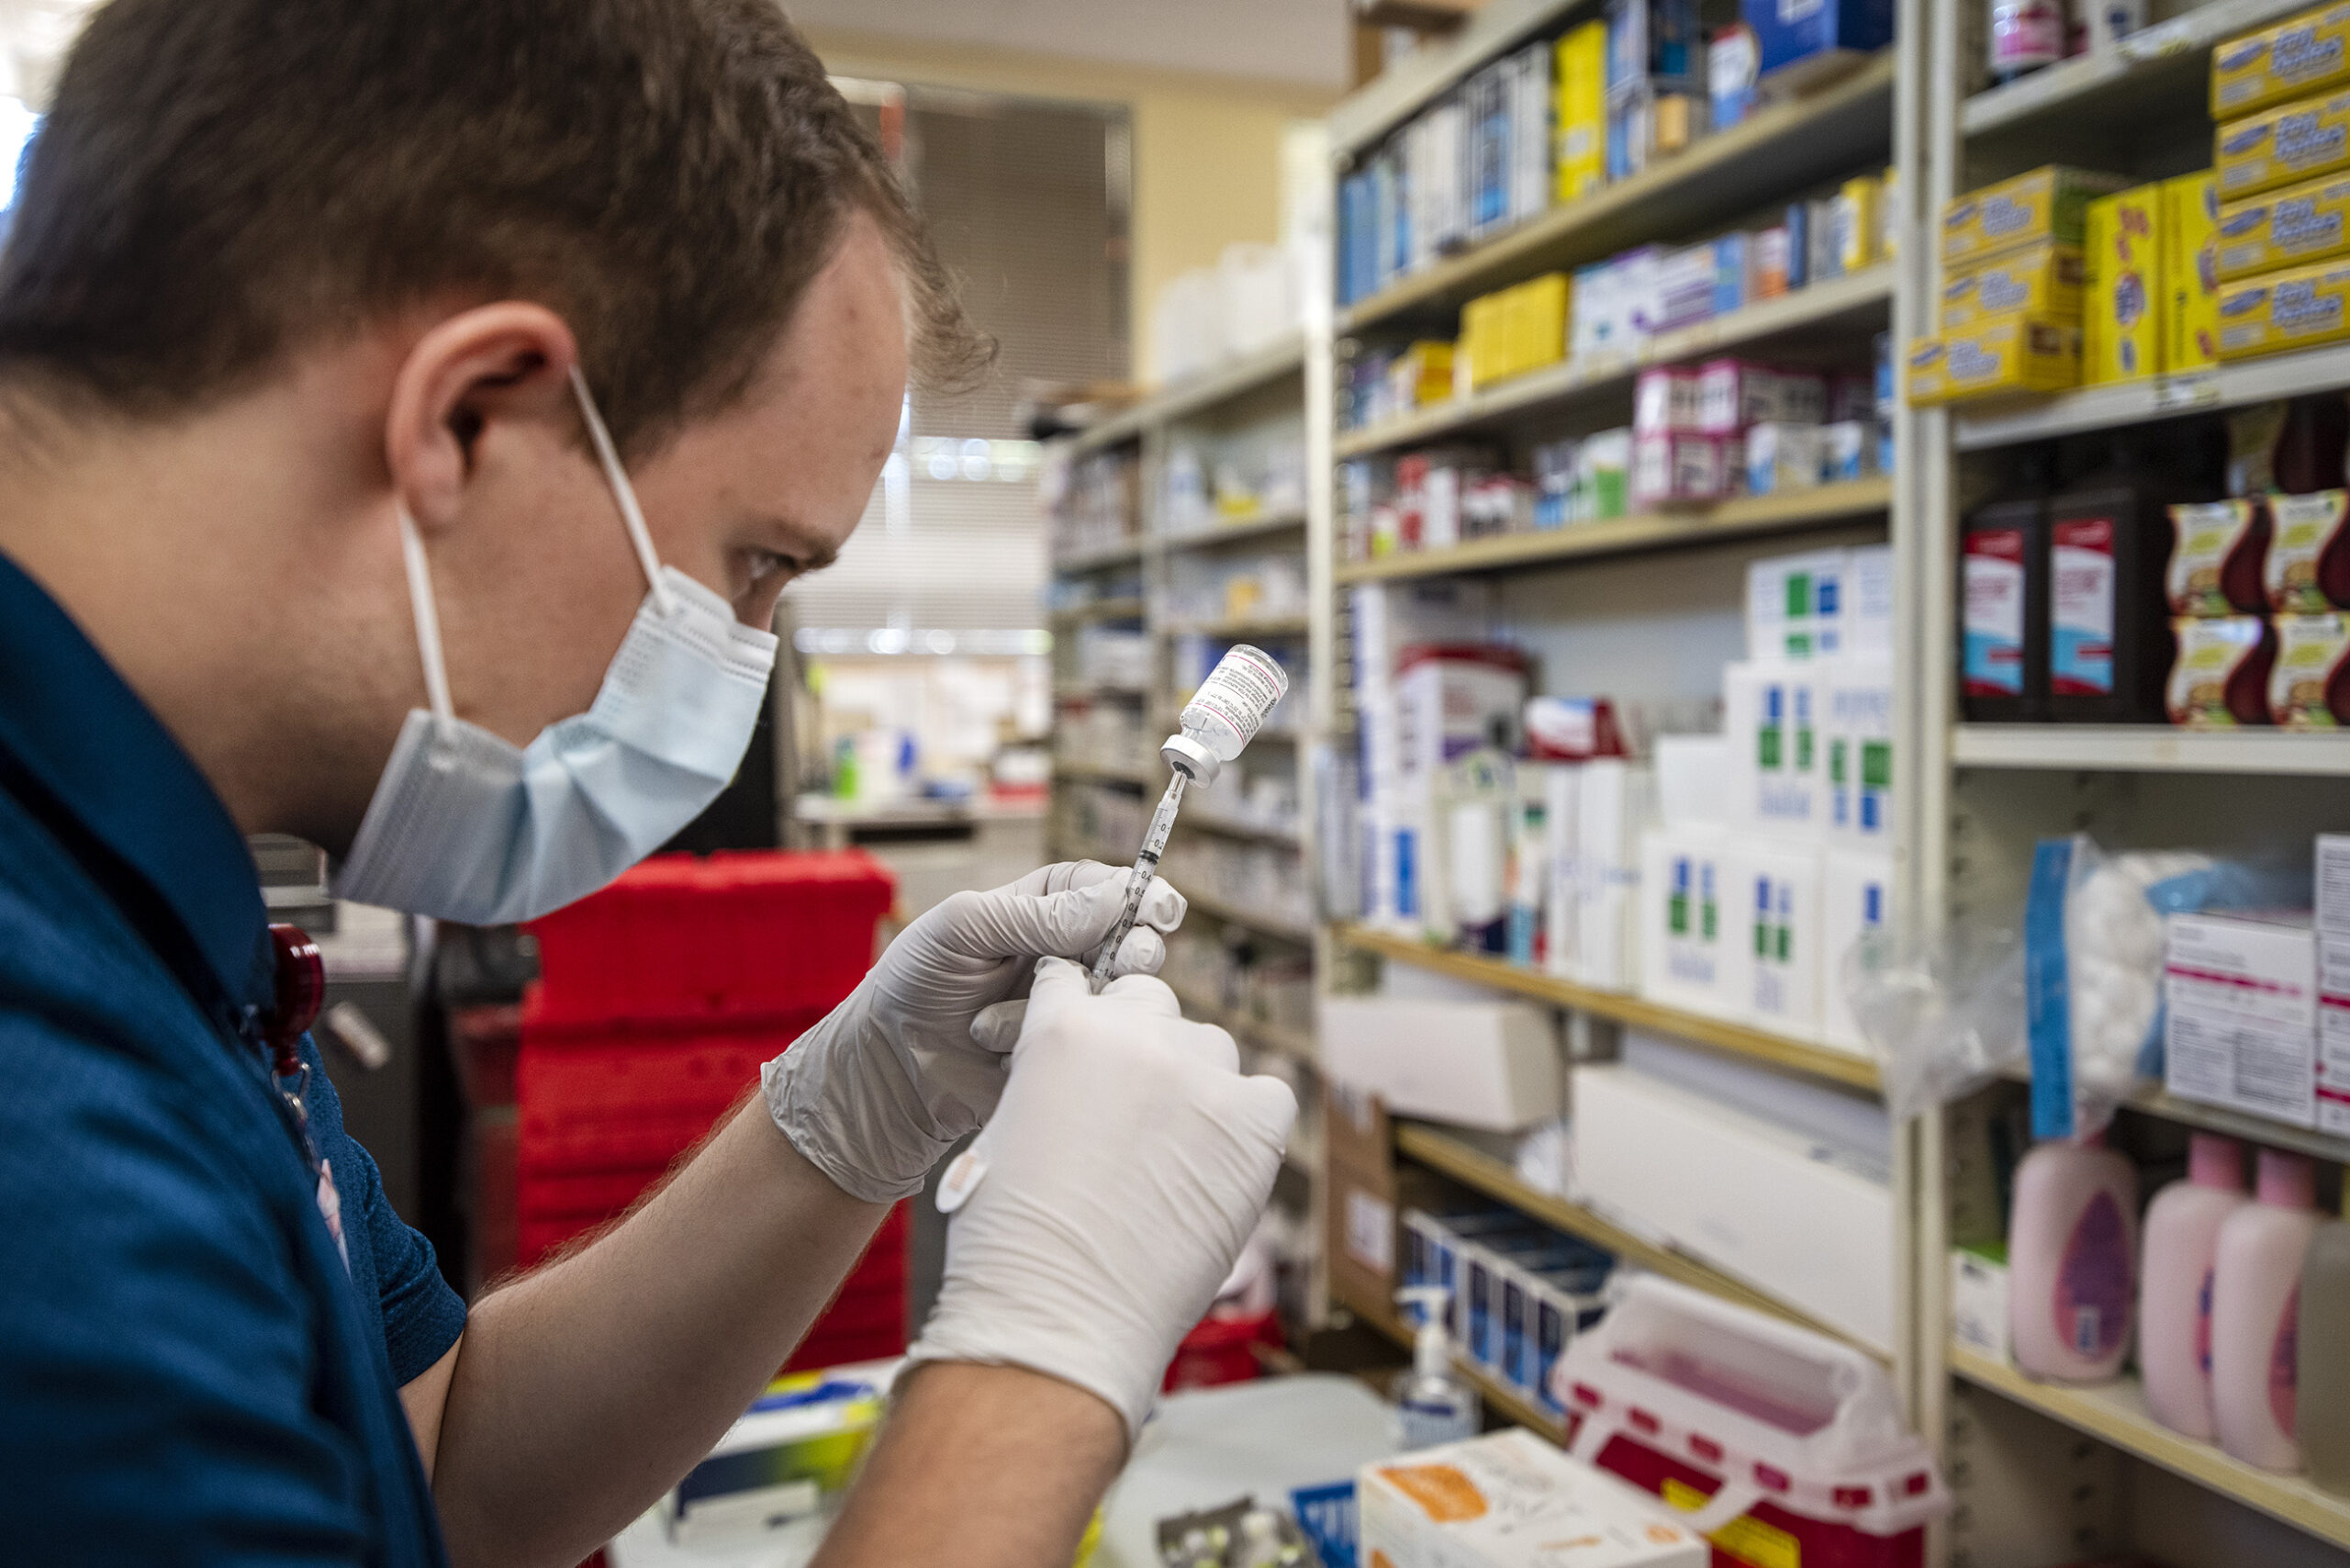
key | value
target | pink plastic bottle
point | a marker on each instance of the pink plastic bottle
(2072, 1260)
(2256, 1314)
(2175, 1286)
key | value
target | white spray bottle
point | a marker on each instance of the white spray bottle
(1432, 1405)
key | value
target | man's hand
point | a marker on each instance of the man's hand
(892, 1077)
(1124, 1167)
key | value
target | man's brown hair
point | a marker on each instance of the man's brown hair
(220, 182)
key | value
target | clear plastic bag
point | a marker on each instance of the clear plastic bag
(1943, 1018)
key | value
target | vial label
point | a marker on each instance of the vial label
(1993, 655)
(1240, 691)
(2080, 606)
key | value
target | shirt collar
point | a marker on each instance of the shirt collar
(78, 729)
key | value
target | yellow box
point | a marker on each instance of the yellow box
(1579, 148)
(2300, 55)
(2299, 140)
(1483, 341)
(2121, 313)
(2286, 228)
(2277, 312)
(2046, 204)
(2190, 229)
(1859, 205)
(2044, 281)
(1428, 370)
(2018, 354)
(1536, 321)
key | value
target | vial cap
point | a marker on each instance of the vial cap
(1190, 759)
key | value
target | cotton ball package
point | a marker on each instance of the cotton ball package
(2113, 951)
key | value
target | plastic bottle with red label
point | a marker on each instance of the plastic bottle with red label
(2109, 612)
(2003, 587)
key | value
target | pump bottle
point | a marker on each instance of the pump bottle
(1432, 1405)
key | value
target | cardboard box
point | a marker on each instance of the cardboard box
(2300, 55)
(1615, 803)
(2299, 140)
(2044, 281)
(2275, 312)
(1778, 944)
(2240, 999)
(1796, 606)
(2189, 234)
(1797, 42)
(1512, 1500)
(1362, 1198)
(2048, 204)
(1858, 739)
(1764, 1203)
(2308, 686)
(2123, 307)
(2332, 1088)
(1581, 131)
(2286, 228)
(2333, 882)
(1686, 920)
(1978, 1301)
(2015, 355)
(1480, 1064)
(2307, 528)
(1773, 716)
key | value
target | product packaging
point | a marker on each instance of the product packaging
(2003, 568)
(1857, 223)
(2182, 1233)
(1799, 42)
(2218, 551)
(2286, 228)
(2121, 320)
(1770, 263)
(1685, 929)
(2189, 227)
(1779, 945)
(2018, 354)
(1733, 60)
(1796, 606)
(2240, 996)
(1848, 450)
(1615, 802)
(1770, 716)
(1979, 1301)
(2299, 140)
(2219, 678)
(2255, 1279)
(1782, 457)
(2309, 689)
(2109, 646)
(1666, 400)
(2308, 570)
(1856, 898)
(1859, 743)
(1581, 131)
(2049, 203)
(2042, 281)
(2072, 1261)
(789, 1458)
(1729, 395)
(2297, 308)
(2025, 36)
(1494, 1501)
(2301, 55)
(1683, 468)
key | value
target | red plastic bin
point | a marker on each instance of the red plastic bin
(757, 932)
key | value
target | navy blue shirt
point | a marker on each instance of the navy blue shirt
(189, 1372)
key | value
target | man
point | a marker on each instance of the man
(409, 410)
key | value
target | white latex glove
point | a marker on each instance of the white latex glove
(1124, 1171)
(876, 1093)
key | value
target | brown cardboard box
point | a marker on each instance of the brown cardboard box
(1360, 1225)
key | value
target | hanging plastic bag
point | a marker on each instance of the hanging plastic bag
(1943, 1018)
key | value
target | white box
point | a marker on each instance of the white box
(1776, 937)
(2240, 998)
(1795, 604)
(2332, 1087)
(1782, 457)
(1449, 699)
(1480, 1064)
(1562, 906)
(1692, 781)
(1733, 394)
(1616, 804)
(1770, 718)
(1856, 893)
(1766, 1204)
(1512, 1500)
(1847, 450)
(1978, 1304)
(1867, 607)
(1858, 772)
(1686, 920)
(2334, 882)
(1665, 401)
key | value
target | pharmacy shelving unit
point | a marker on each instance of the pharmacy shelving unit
(2071, 1472)
(1596, 602)
(1137, 584)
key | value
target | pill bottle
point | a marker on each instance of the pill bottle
(1224, 714)
(2003, 612)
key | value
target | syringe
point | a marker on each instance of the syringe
(1223, 716)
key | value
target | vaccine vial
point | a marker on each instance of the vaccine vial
(1224, 714)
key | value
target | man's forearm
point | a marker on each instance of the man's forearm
(582, 1393)
(982, 1467)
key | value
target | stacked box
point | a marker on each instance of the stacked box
(2128, 289)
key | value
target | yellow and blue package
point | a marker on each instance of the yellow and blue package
(2300, 55)
(790, 1456)
(2189, 215)
(2286, 228)
(2121, 316)
(2293, 142)
(2044, 281)
(1581, 134)
(2016, 354)
(2048, 203)
(2277, 312)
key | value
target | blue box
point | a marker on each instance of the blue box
(1790, 33)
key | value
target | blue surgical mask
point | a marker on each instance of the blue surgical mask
(467, 826)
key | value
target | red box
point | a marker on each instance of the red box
(679, 937)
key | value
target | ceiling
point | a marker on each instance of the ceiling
(1299, 42)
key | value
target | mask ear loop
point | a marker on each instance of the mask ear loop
(428, 618)
(631, 515)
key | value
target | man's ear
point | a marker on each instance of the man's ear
(505, 362)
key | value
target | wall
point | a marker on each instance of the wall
(1207, 150)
